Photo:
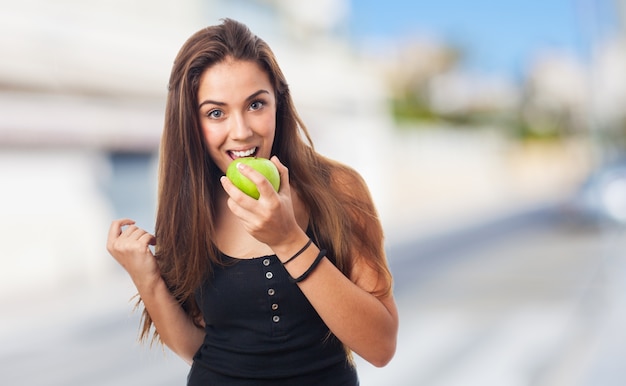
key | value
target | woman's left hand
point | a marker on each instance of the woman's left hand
(270, 219)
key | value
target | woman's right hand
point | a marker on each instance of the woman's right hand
(130, 247)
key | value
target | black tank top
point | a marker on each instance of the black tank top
(260, 328)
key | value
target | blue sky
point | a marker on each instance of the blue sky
(497, 35)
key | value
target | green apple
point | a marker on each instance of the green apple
(261, 165)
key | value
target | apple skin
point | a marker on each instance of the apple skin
(262, 165)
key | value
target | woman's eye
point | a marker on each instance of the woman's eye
(256, 105)
(215, 114)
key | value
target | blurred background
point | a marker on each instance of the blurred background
(492, 136)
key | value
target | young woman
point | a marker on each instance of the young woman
(278, 290)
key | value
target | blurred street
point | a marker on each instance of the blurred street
(533, 300)
(529, 300)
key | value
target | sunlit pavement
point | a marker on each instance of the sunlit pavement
(538, 302)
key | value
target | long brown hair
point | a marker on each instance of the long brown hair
(342, 216)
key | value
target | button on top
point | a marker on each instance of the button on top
(266, 262)
(271, 291)
(269, 275)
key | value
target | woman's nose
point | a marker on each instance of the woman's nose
(239, 128)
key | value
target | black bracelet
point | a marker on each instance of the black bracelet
(299, 252)
(311, 268)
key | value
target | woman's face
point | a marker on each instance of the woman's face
(237, 108)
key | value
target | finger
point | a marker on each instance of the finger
(117, 225)
(233, 192)
(133, 232)
(262, 183)
(251, 173)
(277, 162)
(147, 239)
(235, 208)
(115, 230)
(283, 171)
(239, 203)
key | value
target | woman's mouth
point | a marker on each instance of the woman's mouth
(234, 154)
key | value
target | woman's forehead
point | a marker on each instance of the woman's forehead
(232, 79)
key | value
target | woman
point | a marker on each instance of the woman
(280, 289)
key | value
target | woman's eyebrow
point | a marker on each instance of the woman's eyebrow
(217, 103)
(208, 101)
(256, 94)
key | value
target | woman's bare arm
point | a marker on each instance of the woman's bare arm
(364, 322)
(130, 247)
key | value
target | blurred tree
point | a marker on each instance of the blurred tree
(409, 75)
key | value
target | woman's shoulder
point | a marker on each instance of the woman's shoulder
(347, 180)
(342, 173)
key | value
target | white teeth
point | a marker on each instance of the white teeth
(245, 153)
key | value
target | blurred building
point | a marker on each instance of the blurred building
(98, 72)
(87, 73)
(79, 81)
